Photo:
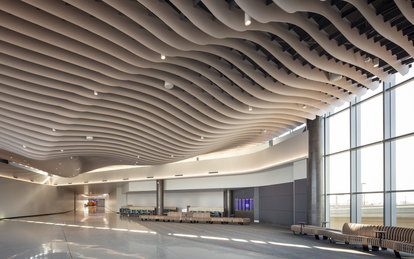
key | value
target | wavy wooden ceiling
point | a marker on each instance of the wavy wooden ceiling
(71, 69)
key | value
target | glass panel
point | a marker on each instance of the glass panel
(404, 107)
(371, 120)
(370, 93)
(405, 207)
(338, 173)
(339, 210)
(338, 132)
(404, 164)
(371, 167)
(372, 208)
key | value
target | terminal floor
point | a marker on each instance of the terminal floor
(91, 234)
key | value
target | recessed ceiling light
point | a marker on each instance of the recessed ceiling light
(162, 57)
(247, 19)
(89, 137)
(95, 93)
(376, 62)
(168, 85)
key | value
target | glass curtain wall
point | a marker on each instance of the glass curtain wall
(369, 157)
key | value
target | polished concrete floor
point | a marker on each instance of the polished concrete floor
(96, 234)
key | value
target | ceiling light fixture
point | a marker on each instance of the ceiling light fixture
(168, 85)
(247, 19)
(53, 129)
(24, 146)
(376, 62)
(304, 106)
(89, 138)
(61, 150)
(250, 108)
(334, 77)
(163, 57)
(95, 93)
(201, 137)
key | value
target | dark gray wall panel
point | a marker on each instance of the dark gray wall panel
(300, 200)
(276, 203)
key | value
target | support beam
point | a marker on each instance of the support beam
(315, 202)
(160, 197)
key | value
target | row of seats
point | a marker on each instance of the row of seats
(212, 213)
(398, 239)
(195, 217)
(132, 212)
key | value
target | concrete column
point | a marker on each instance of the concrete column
(160, 197)
(228, 203)
(315, 200)
(256, 209)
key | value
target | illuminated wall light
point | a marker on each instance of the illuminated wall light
(53, 129)
(201, 137)
(24, 146)
(138, 156)
(61, 150)
(172, 156)
(89, 138)
(95, 92)
(163, 57)
(250, 108)
(304, 106)
(247, 19)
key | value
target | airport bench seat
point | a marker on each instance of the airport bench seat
(398, 239)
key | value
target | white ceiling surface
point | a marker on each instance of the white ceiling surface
(54, 55)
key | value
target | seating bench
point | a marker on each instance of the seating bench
(398, 239)
(194, 217)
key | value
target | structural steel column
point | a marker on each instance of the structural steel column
(160, 197)
(228, 202)
(315, 200)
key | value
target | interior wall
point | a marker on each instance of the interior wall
(19, 199)
(179, 199)
(111, 203)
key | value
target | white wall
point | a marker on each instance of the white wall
(111, 203)
(19, 198)
(179, 199)
(291, 150)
